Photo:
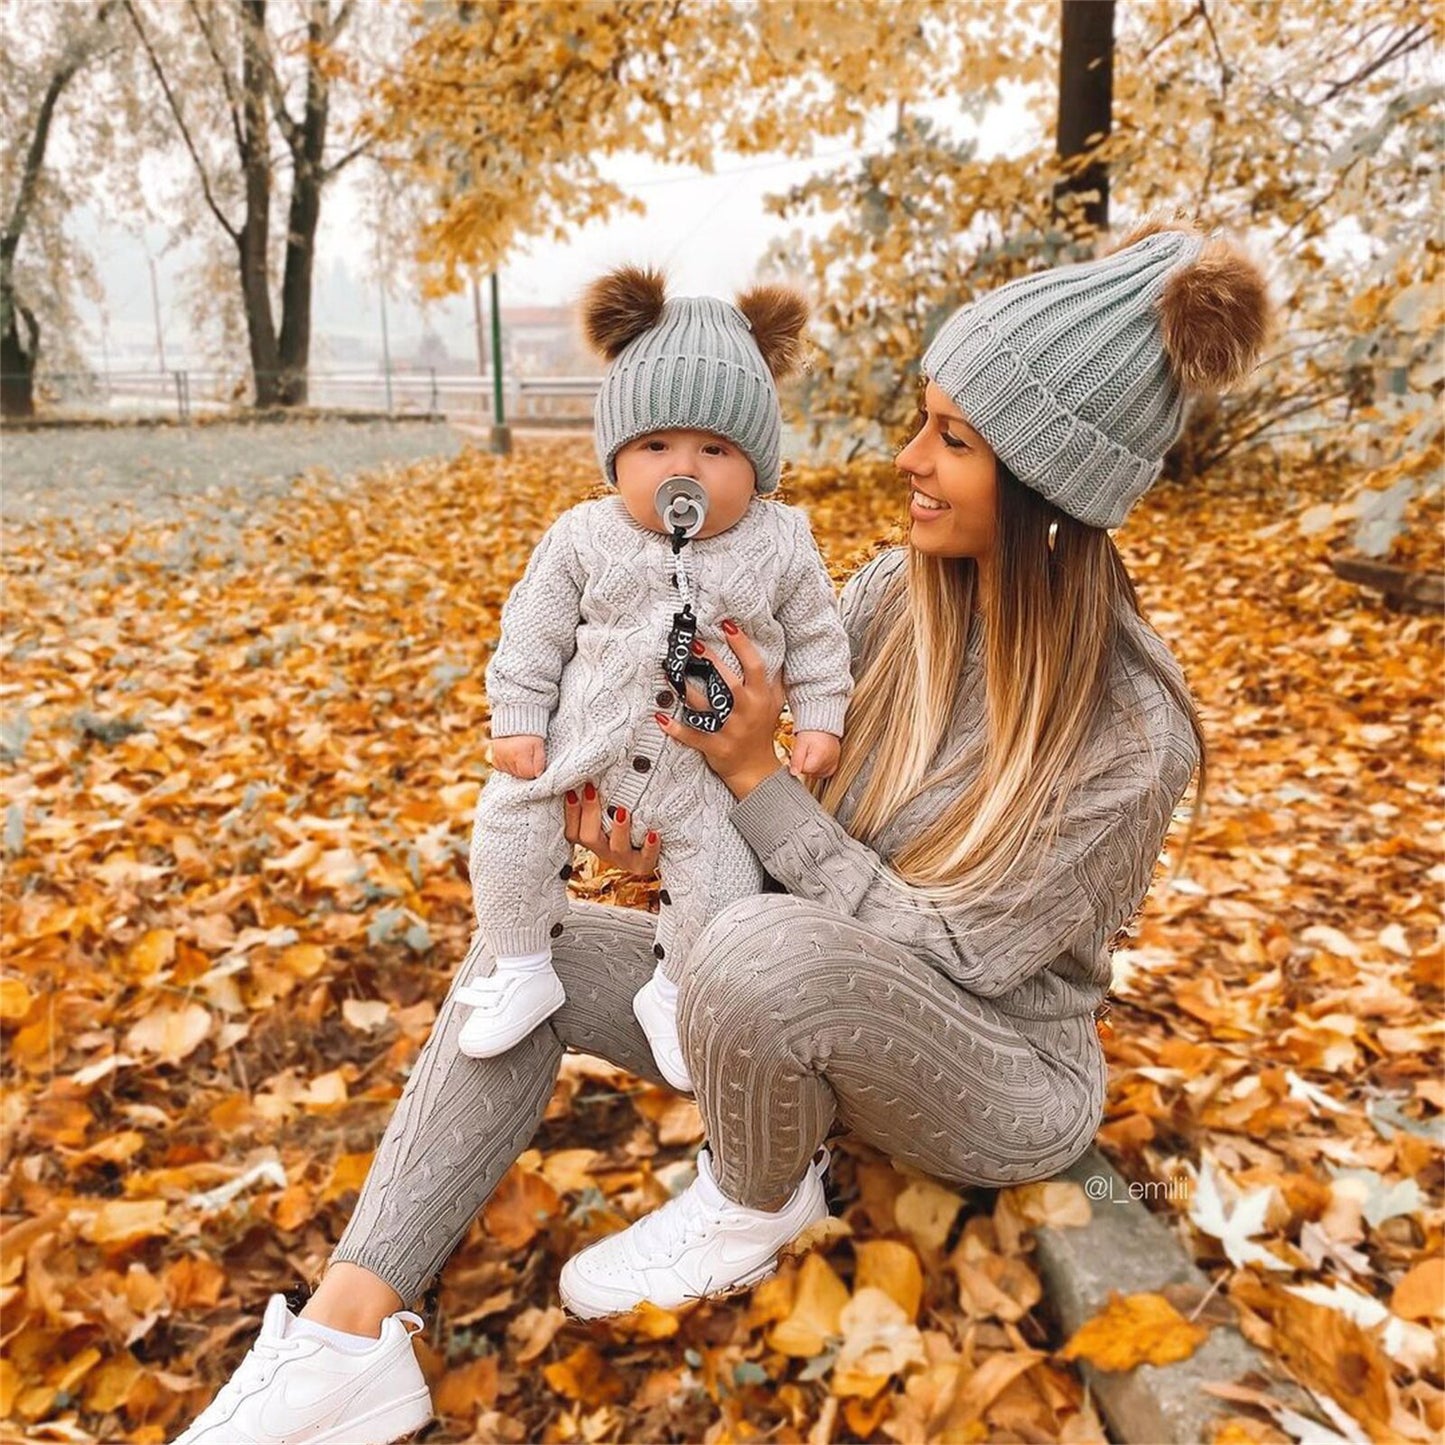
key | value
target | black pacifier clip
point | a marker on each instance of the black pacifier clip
(682, 503)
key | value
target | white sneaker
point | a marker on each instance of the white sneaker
(506, 1007)
(298, 1390)
(658, 1018)
(697, 1245)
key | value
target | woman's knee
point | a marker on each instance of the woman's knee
(738, 965)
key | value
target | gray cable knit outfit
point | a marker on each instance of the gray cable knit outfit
(964, 1046)
(580, 662)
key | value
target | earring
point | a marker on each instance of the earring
(1053, 533)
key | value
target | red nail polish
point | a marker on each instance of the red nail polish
(589, 792)
(661, 719)
(729, 626)
(620, 814)
(571, 796)
(652, 837)
(698, 648)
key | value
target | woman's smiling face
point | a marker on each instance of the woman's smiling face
(954, 477)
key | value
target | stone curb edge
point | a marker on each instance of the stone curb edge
(1127, 1248)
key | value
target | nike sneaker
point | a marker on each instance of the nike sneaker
(698, 1245)
(295, 1389)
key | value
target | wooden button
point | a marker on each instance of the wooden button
(556, 929)
(640, 765)
(657, 950)
(665, 896)
(566, 872)
(665, 698)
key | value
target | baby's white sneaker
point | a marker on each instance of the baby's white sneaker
(294, 1388)
(655, 1005)
(520, 994)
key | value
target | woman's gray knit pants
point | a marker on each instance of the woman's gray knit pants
(792, 1017)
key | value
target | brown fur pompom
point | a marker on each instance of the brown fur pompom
(777, 315)
(1215, 316)
(1214, 313)
(618, 307)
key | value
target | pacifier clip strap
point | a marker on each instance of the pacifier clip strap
(680, 663)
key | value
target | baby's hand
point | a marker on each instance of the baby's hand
(814, 754)
(523, 756)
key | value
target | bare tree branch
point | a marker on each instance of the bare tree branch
(1402, 44)
(180, 120)
(232, 100)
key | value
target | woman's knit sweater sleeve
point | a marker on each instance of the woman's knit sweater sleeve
(538, 635)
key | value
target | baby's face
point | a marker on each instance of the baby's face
(718, 465)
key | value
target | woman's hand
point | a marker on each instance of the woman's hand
(582, 823)
(741, 751)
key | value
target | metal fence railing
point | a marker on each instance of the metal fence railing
(186, 392)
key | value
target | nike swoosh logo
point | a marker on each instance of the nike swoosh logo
(293, 1412)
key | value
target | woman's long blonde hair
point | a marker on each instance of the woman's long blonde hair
(1050, 634)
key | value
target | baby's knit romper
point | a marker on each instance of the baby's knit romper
(580, 662)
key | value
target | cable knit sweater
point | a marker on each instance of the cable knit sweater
(1048, 957)
(580, 663)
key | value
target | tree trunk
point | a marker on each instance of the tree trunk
(255, 234)
(17, 360)
(305, 212)
(1086, 103)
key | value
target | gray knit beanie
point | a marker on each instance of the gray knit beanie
(692, 361)
(1077, 376)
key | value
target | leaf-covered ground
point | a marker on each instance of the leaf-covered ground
(238, 782)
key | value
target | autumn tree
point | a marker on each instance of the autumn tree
(59, 43)
(251, 87)
(503, 113)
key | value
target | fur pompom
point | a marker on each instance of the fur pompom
(777, 315)
(618, 307)
(1215, 317)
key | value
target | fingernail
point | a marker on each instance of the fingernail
(729, 625)
(661, 719)
(698, 648)
(571, 796)
(652, 837)
(620, 814)
(589, 792)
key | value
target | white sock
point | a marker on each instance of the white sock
(666, 989)
(342, 1340)
(524, 962)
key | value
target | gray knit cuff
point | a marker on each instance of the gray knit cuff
(818, 715)
(520, 719)
(775, 811)
(1058, 454)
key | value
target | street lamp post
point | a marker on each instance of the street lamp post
(501, 439)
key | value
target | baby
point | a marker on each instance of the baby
(597, 636)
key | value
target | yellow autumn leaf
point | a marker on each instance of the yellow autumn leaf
(120, 1221)
(1132, 1330)
(15, 1000)
(818, 1300)
(889, 1265)
(171, 1033)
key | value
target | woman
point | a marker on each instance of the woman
(1016, 745)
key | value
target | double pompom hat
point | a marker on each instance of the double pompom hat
(692, 361)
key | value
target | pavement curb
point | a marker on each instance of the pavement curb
(1128, 1249)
